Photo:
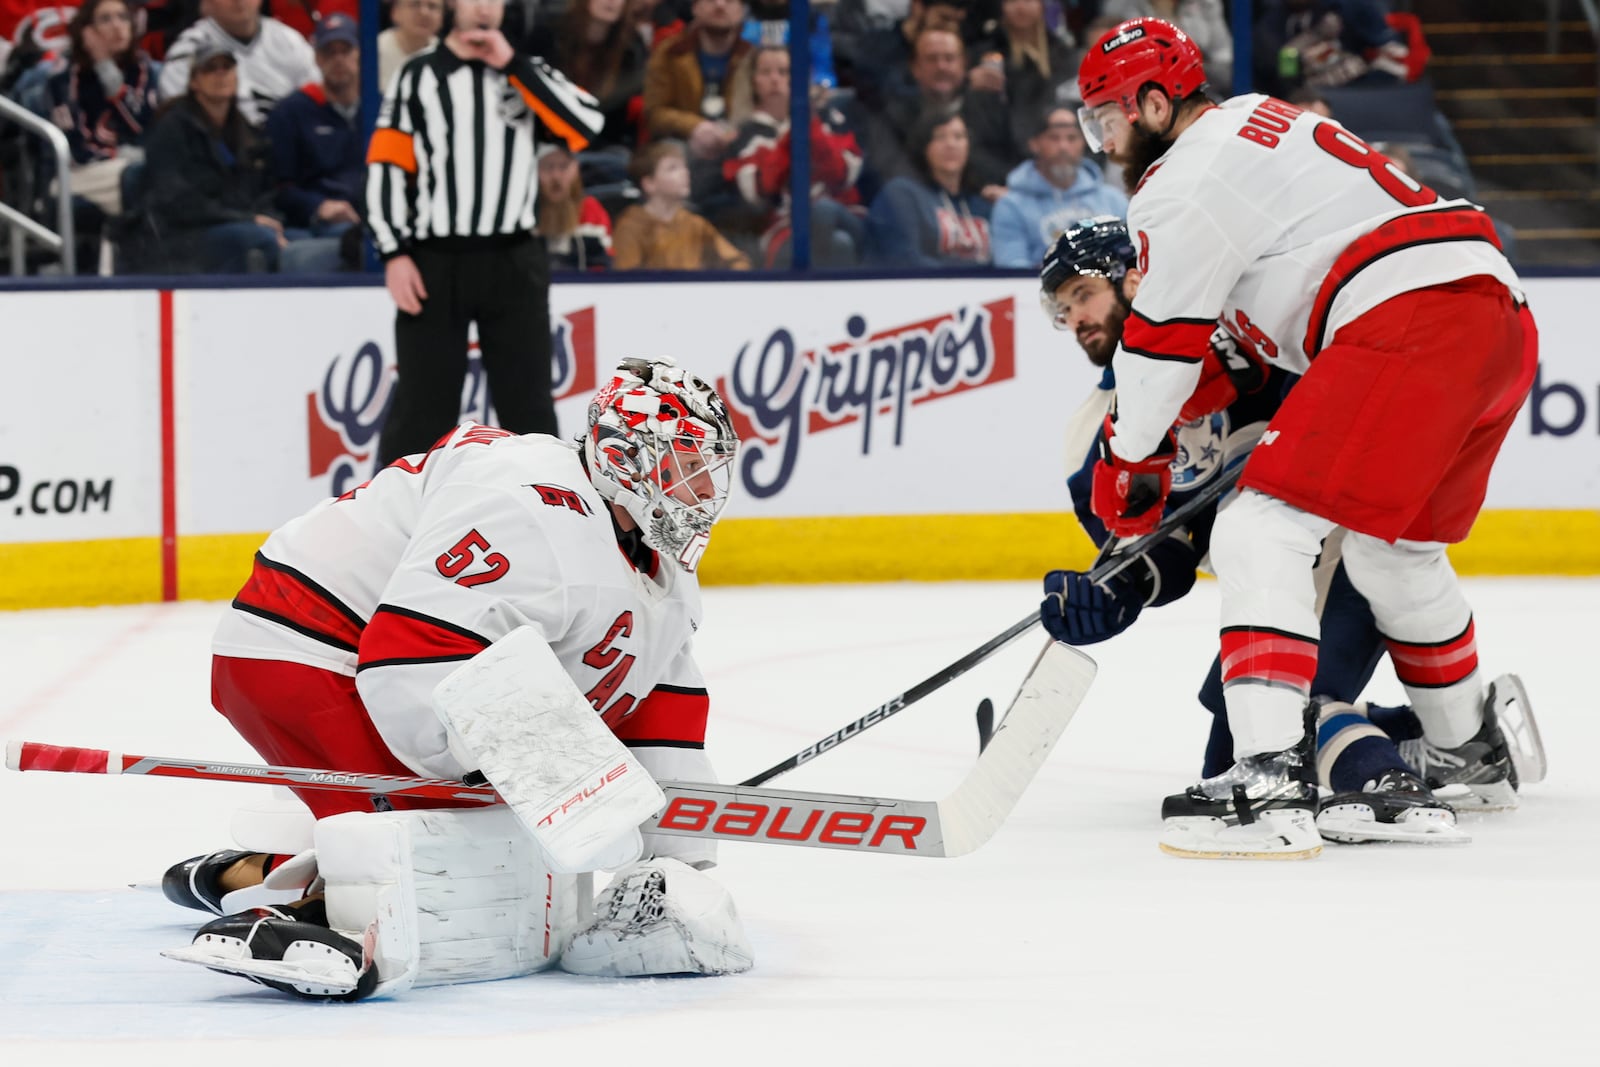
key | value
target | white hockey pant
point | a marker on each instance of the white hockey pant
(1263, 552)
(446, 896)
(1422, 614)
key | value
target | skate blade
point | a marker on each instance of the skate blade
(325, 984)
(1282, 834)
(1479, 799)
(1355, 824)
(1521, 730)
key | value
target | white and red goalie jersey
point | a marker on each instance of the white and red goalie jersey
(399, 581)
(1284, 226)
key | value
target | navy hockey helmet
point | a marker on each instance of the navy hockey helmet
(1098, 247)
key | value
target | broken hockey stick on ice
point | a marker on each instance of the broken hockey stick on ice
(952, 826)
(1115, 557)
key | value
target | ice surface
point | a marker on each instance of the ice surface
(1069, 938)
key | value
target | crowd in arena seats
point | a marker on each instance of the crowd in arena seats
(221, 135)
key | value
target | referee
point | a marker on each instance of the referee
(451, 182)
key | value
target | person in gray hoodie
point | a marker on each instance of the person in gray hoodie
(1049, 192)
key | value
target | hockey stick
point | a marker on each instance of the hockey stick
(1107, 565)
(953, 826)
(985, 723)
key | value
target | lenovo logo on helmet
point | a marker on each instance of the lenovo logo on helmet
(1127, 36)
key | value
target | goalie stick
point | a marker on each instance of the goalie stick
(952, 826)
(1115, 556)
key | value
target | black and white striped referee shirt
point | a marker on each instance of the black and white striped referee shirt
(453, 151)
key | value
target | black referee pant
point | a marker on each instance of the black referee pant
(502, 284)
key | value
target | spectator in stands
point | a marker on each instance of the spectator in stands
(939, 71)
(415, 29)
(696, 83)
(758, 166)
(768, 26)
(654, 21)
(1024, 63)
(319, 155)
(274, 60)
(104, 101)
(938, 218)
(575, 228)
(1050, 192)
(1326, 43)
(594, 44)
(210, 196)
(303, 16)
(661, 233)
(883, 57)
(1309, 99)
(1202, 20)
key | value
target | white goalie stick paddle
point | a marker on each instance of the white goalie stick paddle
(952, 826)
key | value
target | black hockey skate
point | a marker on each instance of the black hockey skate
(287, 949)
(1480, 774)
(196, 882)
(1399, 806)
(1263, 807)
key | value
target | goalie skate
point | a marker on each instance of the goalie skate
(1478, 776)
(1262, 808)
(1397, 807)
(197, 881)
(274, 947)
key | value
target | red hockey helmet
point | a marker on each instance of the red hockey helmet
(1131, 56)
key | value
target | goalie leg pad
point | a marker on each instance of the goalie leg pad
(661, 917)
(512, 713)
(447, 896)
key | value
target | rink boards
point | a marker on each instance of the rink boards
(894, 429)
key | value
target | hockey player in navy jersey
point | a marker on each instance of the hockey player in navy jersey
(331, 657)
(1088, 280)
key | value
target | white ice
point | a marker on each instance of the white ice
(1069, 938)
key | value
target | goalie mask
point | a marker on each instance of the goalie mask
(660, 445)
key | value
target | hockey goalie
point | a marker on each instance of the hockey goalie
(518, 609)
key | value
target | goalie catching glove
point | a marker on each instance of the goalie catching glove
(1130, 495)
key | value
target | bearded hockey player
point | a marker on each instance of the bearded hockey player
(550, 586)
(1415, 349)
(1087, 284)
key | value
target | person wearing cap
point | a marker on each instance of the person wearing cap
(318, 152)
(274, 60)
(1046, 194)
(210, 195)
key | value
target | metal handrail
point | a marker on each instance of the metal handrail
(1552, 41)
(61, 241)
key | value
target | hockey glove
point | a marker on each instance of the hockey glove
(1228, 372)
(1129, 495)
(1079, 612)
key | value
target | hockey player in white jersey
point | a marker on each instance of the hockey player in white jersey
(1087, 282)
(357, 610)
(1416, 350)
